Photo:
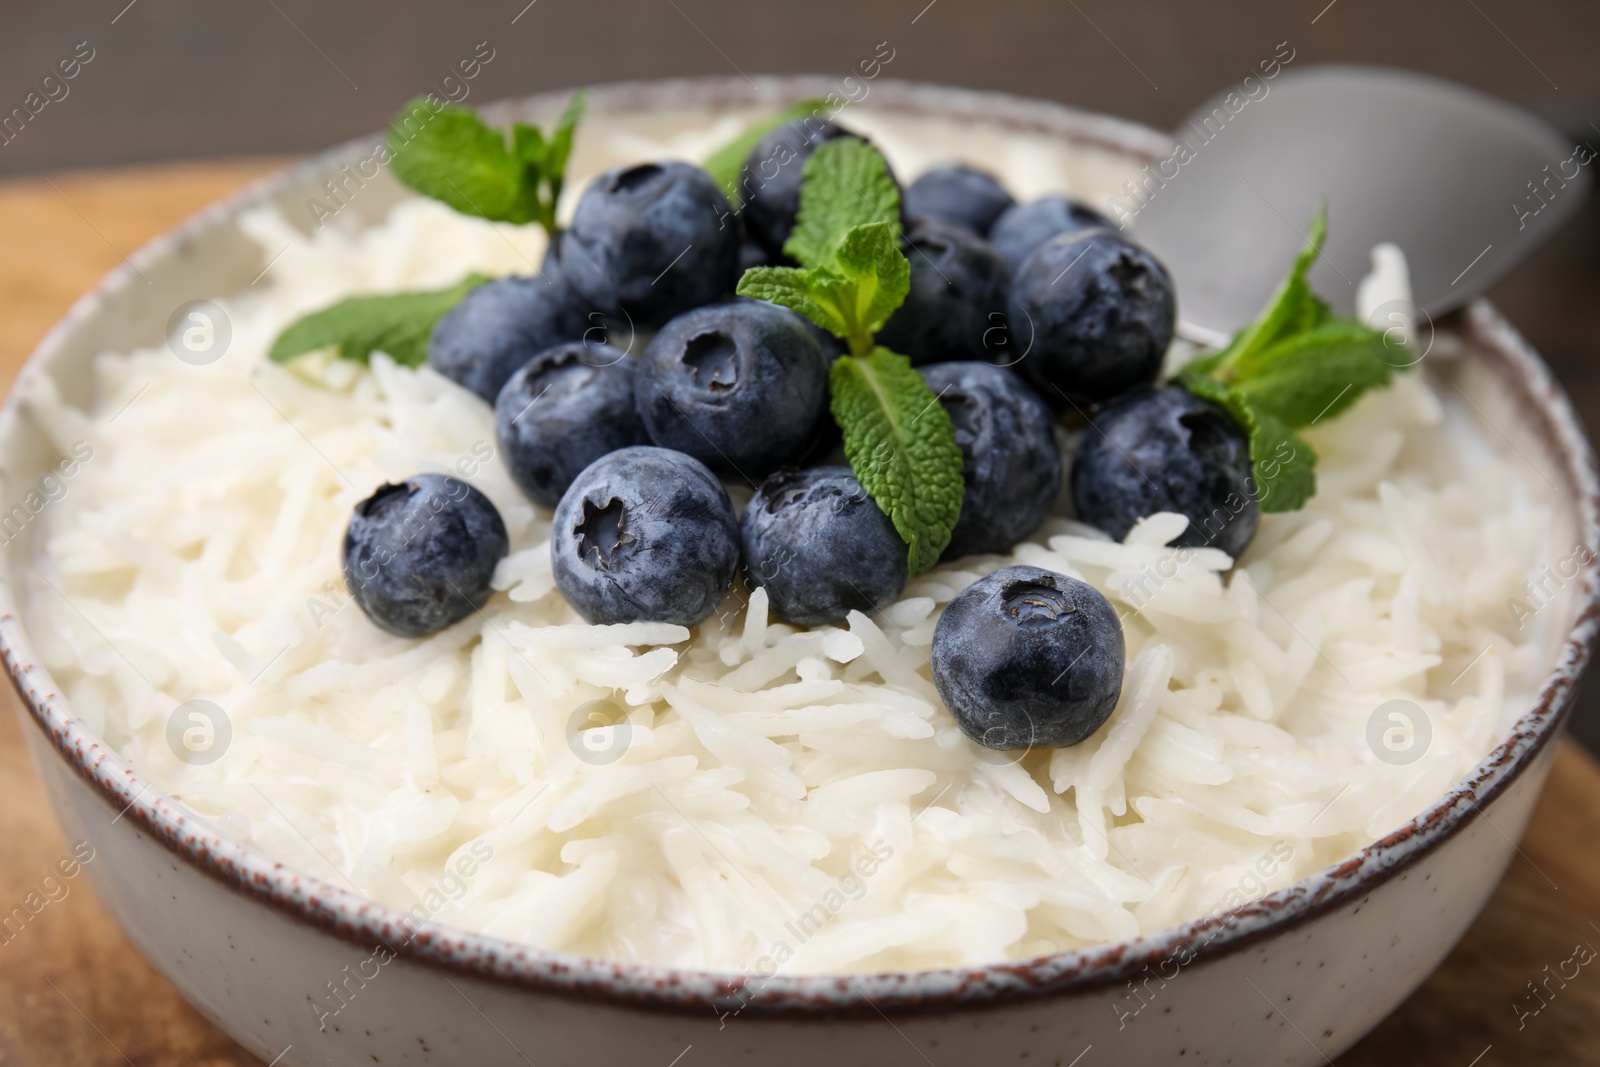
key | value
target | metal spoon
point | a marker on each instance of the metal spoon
(1465, 184)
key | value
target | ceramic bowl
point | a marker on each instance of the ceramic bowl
(1293, 979)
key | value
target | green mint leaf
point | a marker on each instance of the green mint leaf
(851, 296)
(452, 156)
(809, 292)
(396, 323)
(846, 183)
(545, 159)
(901, 446)
(559, 149)
(1293, 309)
(870, 256)
(1281, 463)
(1315, 375)
(726, 163)
(528, 144)
(532, 152)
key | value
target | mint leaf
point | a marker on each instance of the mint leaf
(451, 155)
(1293, 309)
(545, 159)
(727, 163)
(560, 150)
(457, 159)
(396, 323)
(1281, 463)
(852, 296)
(1315, 375)
(846, 184)
(870, 257)
(809, 292)
(901, 446)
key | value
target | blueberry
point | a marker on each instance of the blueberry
(957, 303)
(498, 327)
(1028, 658)
(550, 264)
(419, 555)
(1094, 313)
(1167, 450)
(1011, 464)
(563, 410)
(740, 386)
(645, 535)
(820, 547)
(960, 196)
(1024, 227)
(753, 255)
(651, 241)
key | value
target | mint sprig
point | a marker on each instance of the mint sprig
(451, 155)
(726, 164)
(847, 239)
(851, 294)
(900, 441)
(1296, 365)
(396, 323)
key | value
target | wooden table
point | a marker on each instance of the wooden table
(74, 992)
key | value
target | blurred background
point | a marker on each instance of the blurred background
(182, 79)
(172, 80)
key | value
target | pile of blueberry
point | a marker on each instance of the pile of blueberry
(1015, 311)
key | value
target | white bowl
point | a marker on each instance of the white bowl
(1292, 979)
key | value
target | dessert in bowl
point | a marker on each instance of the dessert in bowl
(751, 823)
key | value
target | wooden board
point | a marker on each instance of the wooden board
(75, 993)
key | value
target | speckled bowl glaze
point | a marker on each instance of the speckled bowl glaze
(1294, 978)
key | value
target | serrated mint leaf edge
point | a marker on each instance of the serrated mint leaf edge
(833, 201)
(492, 170)
(851, 296)
(530, 165)
(924, 504)
(796, 289)
(870, 254)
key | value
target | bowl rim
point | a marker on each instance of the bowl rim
(345, 914)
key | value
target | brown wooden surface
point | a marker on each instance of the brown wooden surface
(74, 992)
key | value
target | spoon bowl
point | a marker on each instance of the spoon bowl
(1465, 184)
